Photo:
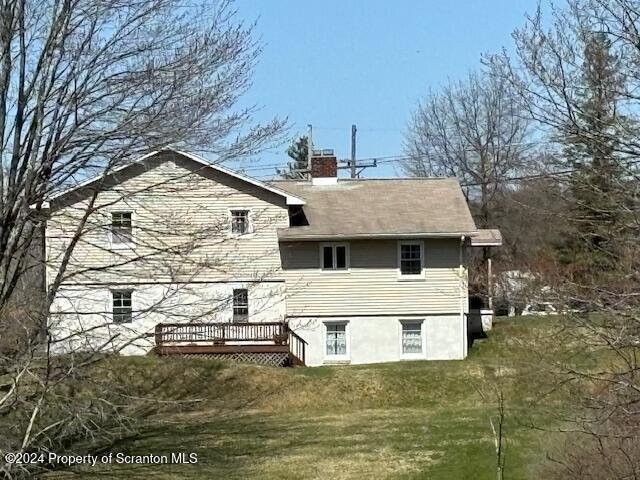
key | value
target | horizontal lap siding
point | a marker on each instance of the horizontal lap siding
(172, 206)
(371, 286)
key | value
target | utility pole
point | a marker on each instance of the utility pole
(353, 150)
(352, 163)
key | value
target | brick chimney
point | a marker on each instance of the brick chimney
(324, 167)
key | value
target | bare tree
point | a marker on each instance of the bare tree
(577, 76)
(497, 425)
(85, 86)
(472, 130)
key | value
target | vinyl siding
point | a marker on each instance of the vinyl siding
(372, 285)
(174, 205)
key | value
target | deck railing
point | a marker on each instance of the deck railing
(256, 333)
(297, 345)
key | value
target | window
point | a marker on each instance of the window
(121, 227)
(239, 221)
(334, 256)
(411, 338)
(122, 306)
(240, 304)
(336, 340)
(411, 258)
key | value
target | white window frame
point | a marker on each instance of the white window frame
(333, 246)
(122, 245)
(328, 358)
(423, 339)
(419, 276)
(249, 221)
(233, 298)
(112, 307)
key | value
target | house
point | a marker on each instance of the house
(184, 256)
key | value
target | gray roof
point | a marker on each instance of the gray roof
(371, 208)
(487, 237)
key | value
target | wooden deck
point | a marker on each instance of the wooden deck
(271, 343)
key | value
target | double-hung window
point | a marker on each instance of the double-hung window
(122, 305)
(239, 222)
(411, 258)
(411, 338)
(335, 256)
(336, 340)
(121, 228)
(240, 304)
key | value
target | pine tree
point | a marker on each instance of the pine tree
(595, 184)
(298, 152)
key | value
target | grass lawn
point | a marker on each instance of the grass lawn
(409, 420)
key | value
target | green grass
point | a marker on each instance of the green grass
(409, 420)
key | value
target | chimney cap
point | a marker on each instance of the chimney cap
(325, 152)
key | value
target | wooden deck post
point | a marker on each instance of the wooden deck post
(158, 337)
(489, 283)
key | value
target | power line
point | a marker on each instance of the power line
(534, 176)
(435, 155)
(402, 157)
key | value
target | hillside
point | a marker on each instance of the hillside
(403, 420)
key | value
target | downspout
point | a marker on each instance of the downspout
(463, 295)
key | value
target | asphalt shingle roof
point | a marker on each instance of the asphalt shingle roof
(378, 208)
(487, 237)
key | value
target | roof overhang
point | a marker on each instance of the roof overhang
(290, 235)
(290, 199)
(487, 237)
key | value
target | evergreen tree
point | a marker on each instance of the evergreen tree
(298, 152)
(596, 180)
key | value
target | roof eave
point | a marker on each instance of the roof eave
(287, 236)
(497, 243)
(289, 198)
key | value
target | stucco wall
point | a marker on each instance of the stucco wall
(82, 319)
(375, 339)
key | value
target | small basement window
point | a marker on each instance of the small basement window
(336, 340)
(334, 256)
(122, 306)
(240, 304)
(121, 227)
(411, 338)
(239, 221)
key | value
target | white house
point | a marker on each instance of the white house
(185, 256)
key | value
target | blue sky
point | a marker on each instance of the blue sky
(332, 63)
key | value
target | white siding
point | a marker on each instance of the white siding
(174, 205)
